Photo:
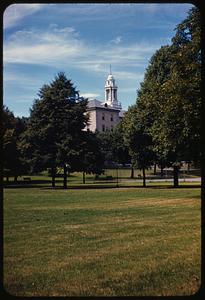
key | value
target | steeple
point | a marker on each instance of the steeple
(111, 91)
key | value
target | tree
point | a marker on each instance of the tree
(92, 160)
(119, 148)
(185, 83)
(179, 129)
(105, 139)
(13, 164)
(138, 140)
(169, 101)
(151, 101)
(54, 132)
(113, 147)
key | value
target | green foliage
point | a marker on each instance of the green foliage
(92, 159)
(13, 162)
(105, 139)
(185, 83)
(167, 113)
(113, 147)
(54, 132)
(137, 139)
(179, 127)
(119, 148)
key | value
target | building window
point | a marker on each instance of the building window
(115, 94)
(103, 116)
(107, 94)
(103, 127)
(111, 118)
(111, 128)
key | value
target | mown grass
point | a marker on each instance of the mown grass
(110, 242)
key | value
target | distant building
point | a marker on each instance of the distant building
(105, 115)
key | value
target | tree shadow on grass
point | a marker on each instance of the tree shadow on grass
(46, 184)
(87, 187)
(26, 184)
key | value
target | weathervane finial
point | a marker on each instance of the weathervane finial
(110, 70)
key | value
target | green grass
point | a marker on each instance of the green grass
(102, 242)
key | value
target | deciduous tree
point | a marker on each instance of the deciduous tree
(138, 140)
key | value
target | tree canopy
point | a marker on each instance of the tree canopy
(113, 147)
(168, 107)
(54, 134)
(12, 128)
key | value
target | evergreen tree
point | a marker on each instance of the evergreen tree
(13, 163)
(54, 133)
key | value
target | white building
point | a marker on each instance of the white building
(105, 115)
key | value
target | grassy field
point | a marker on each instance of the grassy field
(102, 242)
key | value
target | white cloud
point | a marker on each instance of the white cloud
(89, 95)
(15, 12)
(129, 75)
(44, 48)
(62, 46)
(30, 82)
(117, 40)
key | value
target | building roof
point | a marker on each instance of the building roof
(94, 103)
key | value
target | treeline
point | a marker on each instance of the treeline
(162, 128)
(53, 136)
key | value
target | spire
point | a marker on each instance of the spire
(111, 90)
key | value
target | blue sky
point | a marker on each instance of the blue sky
(82, 40)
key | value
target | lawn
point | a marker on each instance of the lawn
(102, 242)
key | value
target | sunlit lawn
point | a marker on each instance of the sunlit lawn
(101, 242)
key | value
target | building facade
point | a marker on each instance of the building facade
(105, 115)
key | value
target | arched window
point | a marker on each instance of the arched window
(103, 127)
(103, 116)
(111, 118)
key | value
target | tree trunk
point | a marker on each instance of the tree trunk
(144, 177)
(83, 177)
(132, 173)
(7, 179)
(188, 167)
(15, 178)
(162, 172)
(155, 169)
(176, 174)
(64, 177)
(53, 175)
